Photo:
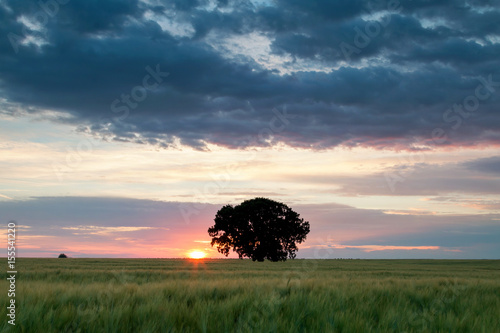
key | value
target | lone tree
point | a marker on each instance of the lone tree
(259, 229)
(62, 255)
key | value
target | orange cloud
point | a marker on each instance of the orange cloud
(411, 211)
(372, 248)
(97, 230)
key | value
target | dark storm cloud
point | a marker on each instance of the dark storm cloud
(407, 64)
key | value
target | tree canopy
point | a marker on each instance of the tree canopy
(258, 229)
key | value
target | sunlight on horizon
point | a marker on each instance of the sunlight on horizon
(196, 254)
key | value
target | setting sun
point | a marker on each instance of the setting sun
(195, 254)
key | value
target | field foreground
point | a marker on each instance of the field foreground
(162, 295)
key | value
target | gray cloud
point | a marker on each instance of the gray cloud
(488, 165)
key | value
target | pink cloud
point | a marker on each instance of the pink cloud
(372, 248)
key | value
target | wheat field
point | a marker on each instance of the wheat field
(209, 295)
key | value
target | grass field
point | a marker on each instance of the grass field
(156, 295)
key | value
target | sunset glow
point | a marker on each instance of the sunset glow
(195, 254)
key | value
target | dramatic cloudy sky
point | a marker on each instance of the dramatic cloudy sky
(125, 125)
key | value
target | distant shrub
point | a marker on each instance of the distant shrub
(62, 255)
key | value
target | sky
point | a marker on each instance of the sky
(126, 125)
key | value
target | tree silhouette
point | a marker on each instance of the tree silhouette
(259, 229)
(62, 255)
